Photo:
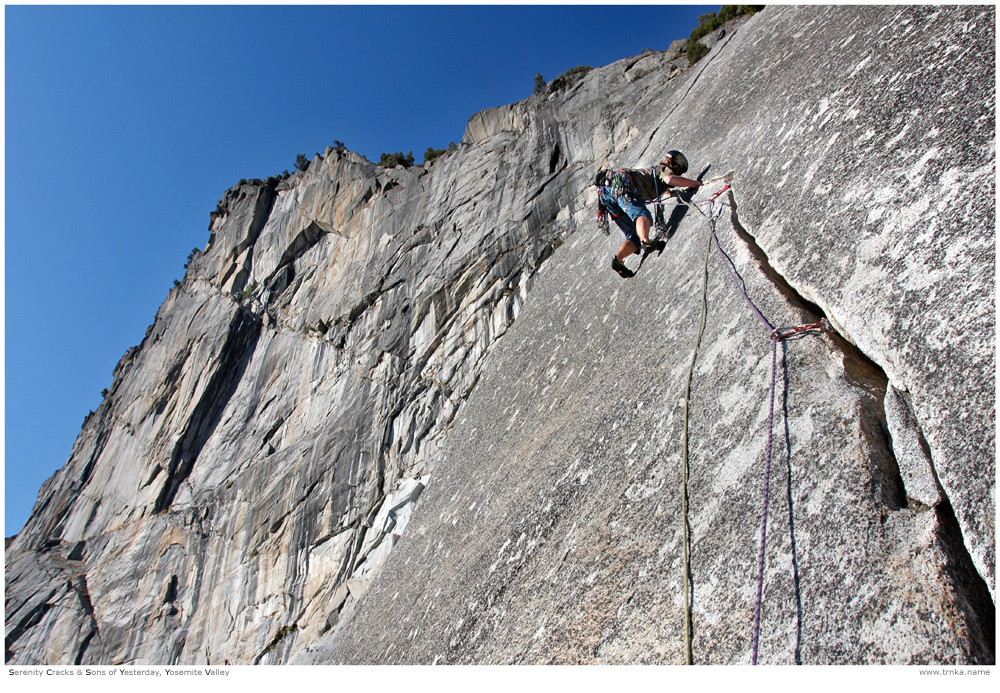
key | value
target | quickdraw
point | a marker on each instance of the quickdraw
(786, 332)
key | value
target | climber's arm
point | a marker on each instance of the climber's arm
(679, 182)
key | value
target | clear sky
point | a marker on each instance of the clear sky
(125, 125)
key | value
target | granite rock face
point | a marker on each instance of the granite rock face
(259, 454)
(411, 416)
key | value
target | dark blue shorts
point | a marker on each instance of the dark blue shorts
(625, 211)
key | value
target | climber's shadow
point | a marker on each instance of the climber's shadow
(667, 229)
(791, 508)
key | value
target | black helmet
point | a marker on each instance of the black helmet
(601, 177)
(678, 162)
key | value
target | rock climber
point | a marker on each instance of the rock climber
(623, 197)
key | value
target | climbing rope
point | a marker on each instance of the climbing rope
(775, 335)
(685, 468)
(685, 465)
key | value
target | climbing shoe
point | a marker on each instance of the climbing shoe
(619, 267)
(652, 246)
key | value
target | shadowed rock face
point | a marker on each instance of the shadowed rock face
(324, 452)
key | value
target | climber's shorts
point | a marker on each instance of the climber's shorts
(625, 211)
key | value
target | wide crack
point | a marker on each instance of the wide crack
(971, 591)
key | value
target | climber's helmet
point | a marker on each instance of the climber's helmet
(678, 162)
(601, 178)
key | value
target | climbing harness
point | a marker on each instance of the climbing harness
(775, 335)
(620, 183)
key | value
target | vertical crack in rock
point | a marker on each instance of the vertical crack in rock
(263, 206)
(972, 593)
(923, 488)
(307, 238)
(760, 258)
(61, 498)
(281, 635)
(32, 618)
(244, 330)
(554, 159)
(860, 371)
(104, 431)
(78, 585)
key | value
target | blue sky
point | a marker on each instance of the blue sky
(125, 125)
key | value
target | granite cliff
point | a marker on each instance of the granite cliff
(411, 416)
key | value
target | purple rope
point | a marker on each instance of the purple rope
(775, 335)
(732, 273)
(770, 436)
